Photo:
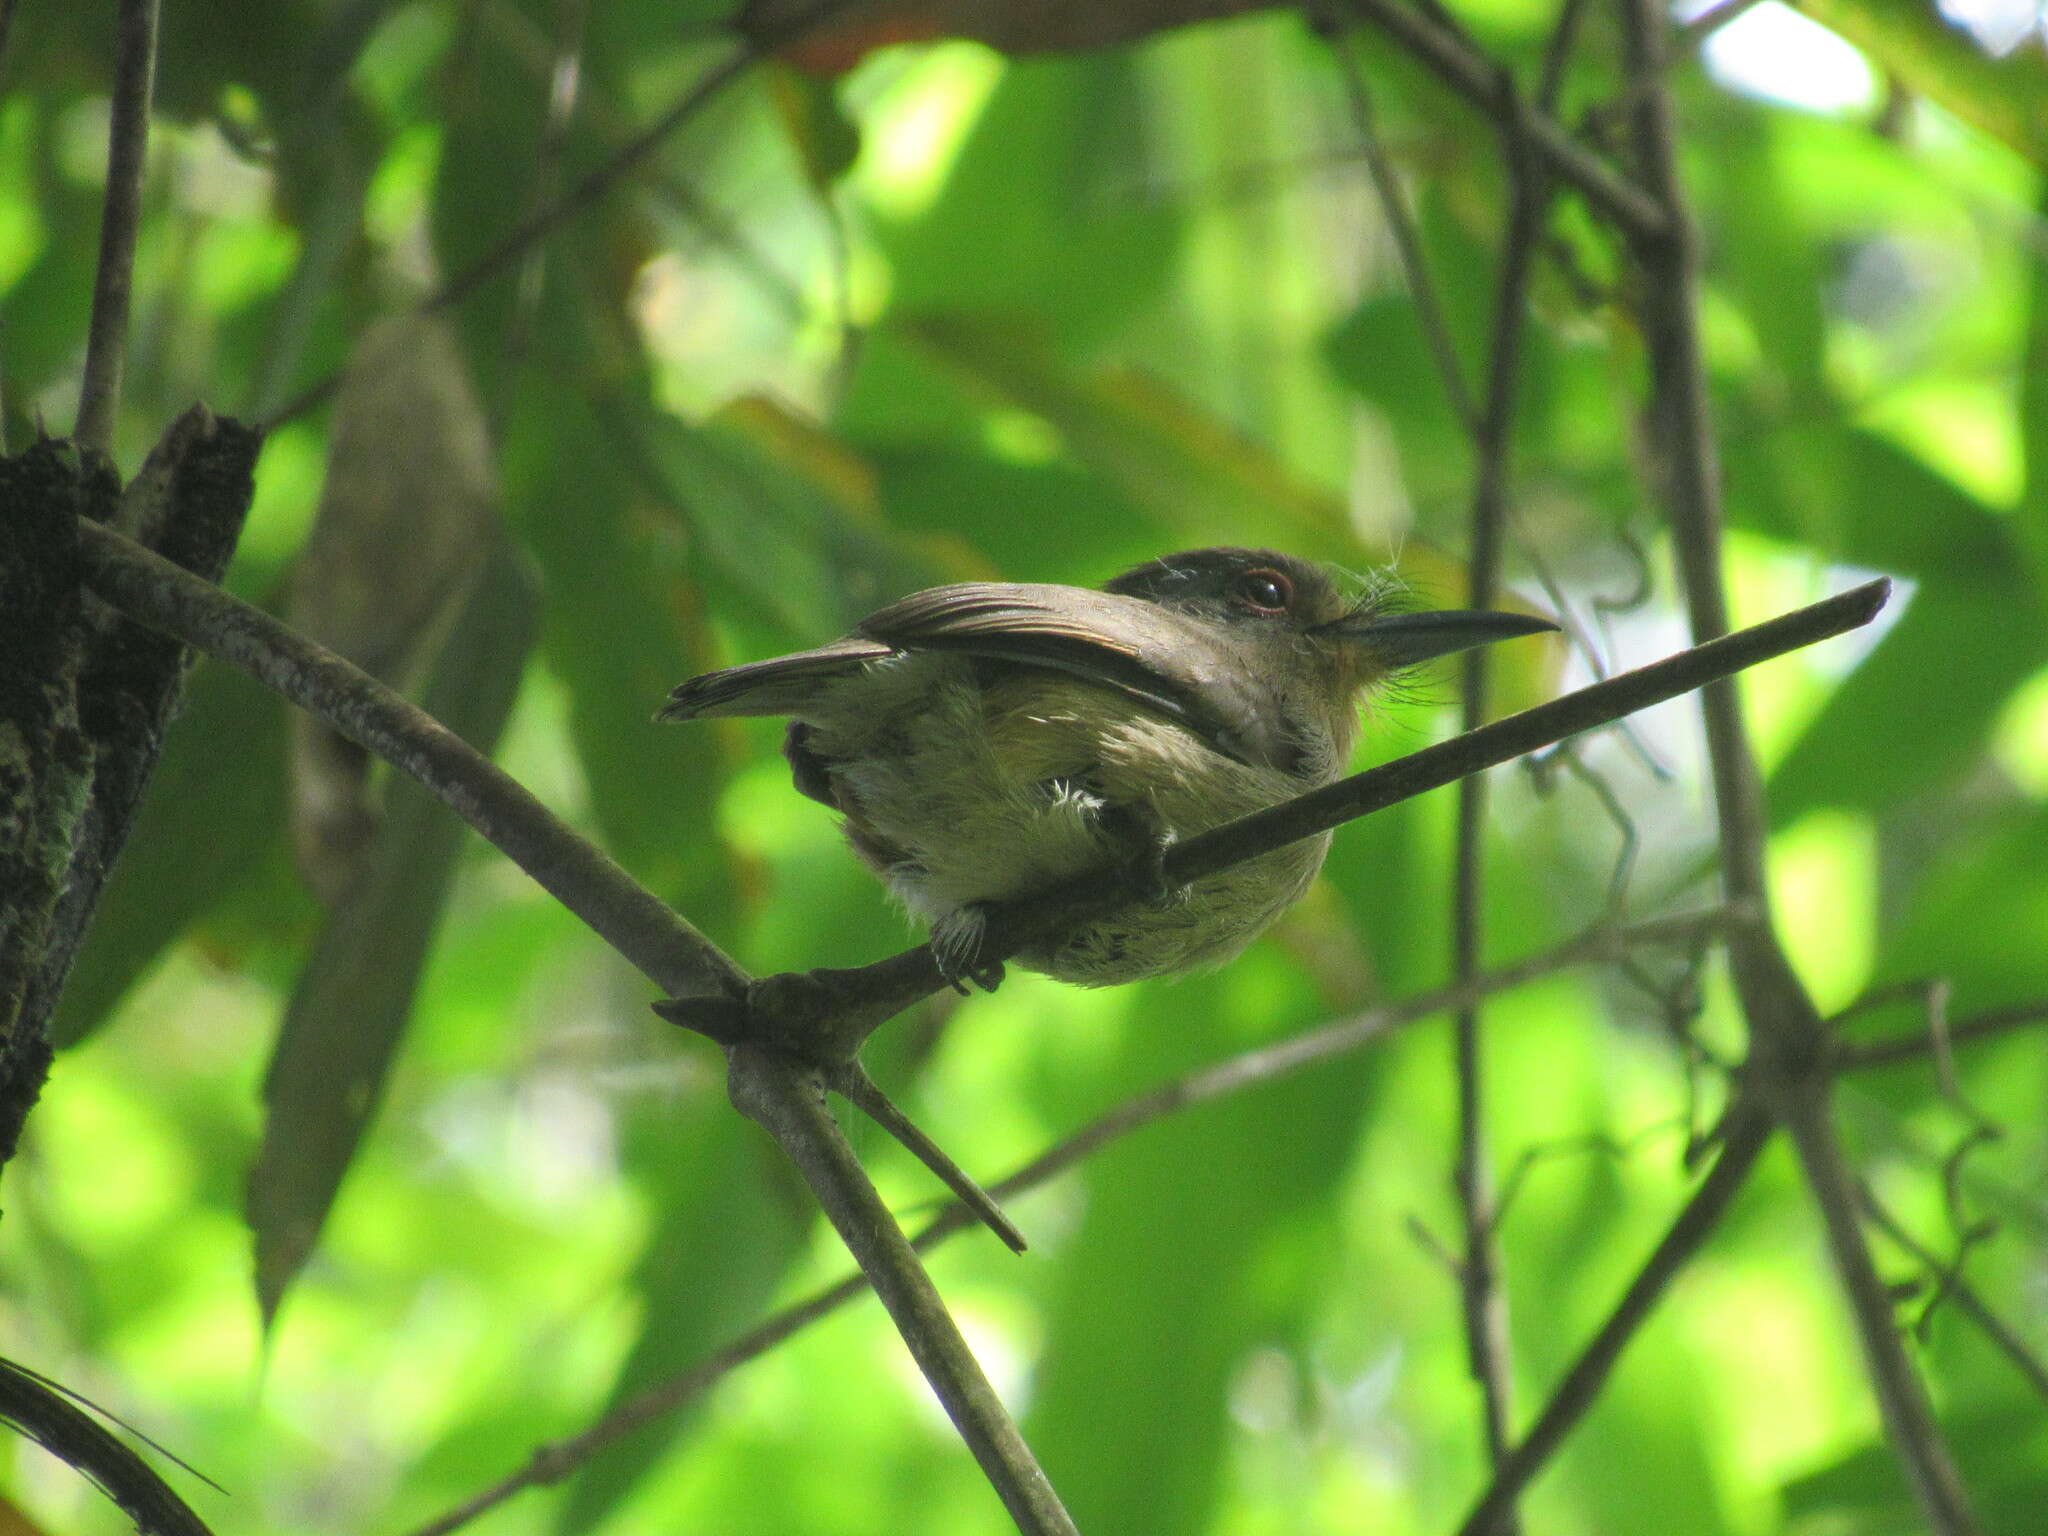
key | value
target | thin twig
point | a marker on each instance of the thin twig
(1747, 1132)
(596, 184)
(791, 1107)
(1911, 1047)
(1478, 80)
(523, 38)
(592, 187)
(1237, 1074)
(564, 92)
(1956, 1288)
(1482, 1289)
(1788, 1044)
(99, 391)
(639, 926)
(852, 1083)
(1400, 223)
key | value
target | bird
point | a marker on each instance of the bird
(985, 740)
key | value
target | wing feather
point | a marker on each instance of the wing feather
(775, 687)
(1155, 655)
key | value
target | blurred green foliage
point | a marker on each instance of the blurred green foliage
(954, 317)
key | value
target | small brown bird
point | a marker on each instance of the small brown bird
(986, 740)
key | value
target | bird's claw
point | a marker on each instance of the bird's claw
(1142, 840)
(956, 949)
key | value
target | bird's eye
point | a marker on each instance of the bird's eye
(1263, 591)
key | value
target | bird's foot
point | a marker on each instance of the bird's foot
(956, 946)
(1140, 840)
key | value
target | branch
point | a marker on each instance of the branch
(1481, 1288)
(1911, 1047)
(1788, 1043)
(1993, 1327)
(1237, 1074)
(668, 950)
(86, 701)
(791, 1107)
(50, 1415)
(99, 391)
(1747, 1131)
(1481, 82)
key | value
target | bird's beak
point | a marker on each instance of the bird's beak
(1402, 639)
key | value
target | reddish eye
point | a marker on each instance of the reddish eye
(1263, 590)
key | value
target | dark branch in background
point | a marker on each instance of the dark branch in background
(1482, 1290)
(1745, 1134)
(1911, 1047)
(1482, 82)
(99, 392)
(1788, 1043)
(1955, 1288)
(1223, 1079)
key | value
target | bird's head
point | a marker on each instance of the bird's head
(1318, 637)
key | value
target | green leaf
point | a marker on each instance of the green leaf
(1188, 1257)
(2006, 98)
(1917, 709)
(348, 1016)
(1047, 209)
(2001, 1453)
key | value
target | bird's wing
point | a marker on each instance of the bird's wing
(779, 686)
(1153, 654)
